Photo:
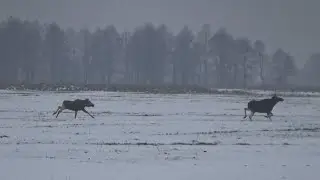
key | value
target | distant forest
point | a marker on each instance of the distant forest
(33, 53)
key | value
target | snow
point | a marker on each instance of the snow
(149, 136)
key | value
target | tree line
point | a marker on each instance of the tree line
(31, 52)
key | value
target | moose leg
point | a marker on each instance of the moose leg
(75, 114)
(60, 110)
(269, 116)
(87, 112)
(251, 115)
(245, 112)
(58, 113)
(59, 107)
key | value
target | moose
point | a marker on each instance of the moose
(262, 106)
(76, 105)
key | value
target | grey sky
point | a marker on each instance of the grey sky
(289, 24)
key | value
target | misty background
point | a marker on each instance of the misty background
(221, 43)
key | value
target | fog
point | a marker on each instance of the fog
(288, 25)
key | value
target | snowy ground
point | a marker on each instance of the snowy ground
(159, 137)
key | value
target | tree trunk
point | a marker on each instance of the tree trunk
(174, 75)
(235, 73)
(109, 79)
(261, 70)
(205, 73)
(245, 72)
(184, 78)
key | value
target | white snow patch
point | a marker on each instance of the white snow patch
(147, 136)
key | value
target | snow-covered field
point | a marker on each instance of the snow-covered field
(156, 137)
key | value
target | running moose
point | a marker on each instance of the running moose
(76, 105)
(262, 106)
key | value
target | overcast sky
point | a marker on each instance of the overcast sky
(290, 24)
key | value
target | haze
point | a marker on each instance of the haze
(289, 24)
